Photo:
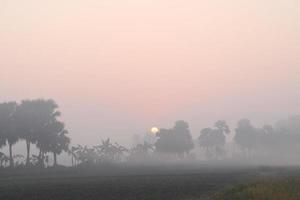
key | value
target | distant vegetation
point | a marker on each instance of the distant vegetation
(37, 122)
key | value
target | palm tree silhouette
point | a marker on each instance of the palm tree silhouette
(8, 132)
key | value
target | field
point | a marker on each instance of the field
(152, 183)
(264, 189)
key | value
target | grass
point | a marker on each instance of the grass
(264, 189)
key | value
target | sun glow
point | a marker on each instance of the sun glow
(154, 130)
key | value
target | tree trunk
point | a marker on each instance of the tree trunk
(11, 160)
(55, 159)
(72, 160)
(41, 158)
(28, 152)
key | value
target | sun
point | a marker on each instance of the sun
(154, 130)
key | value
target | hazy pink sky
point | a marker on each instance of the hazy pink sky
(118, 67)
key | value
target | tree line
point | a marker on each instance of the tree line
(37, 122)
(279, 140)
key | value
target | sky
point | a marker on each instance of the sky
(118, 67)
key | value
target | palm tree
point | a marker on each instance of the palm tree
(108, 152)
(32, 118)
(117, 151)
(213, 139)
(141, 151)
(59, 141)
(46, 126)
(12, 139)
(72, 151)
(8, 132)
(54, 140)
(29, 121)
(104, 150)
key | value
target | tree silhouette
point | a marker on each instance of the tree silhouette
(166, 143)
(283, 138)
(29, 122)
(213, 139)
(33, 119)
(222, 126)
(86, 155)
(58, 140)
(183, 137)
(108, 152)
(72, 151)
(177, 140)
(207, 140)
(8, 133)
(141, 151)
(104, 153)
(246, 136)
(36, 122)
(48, 127)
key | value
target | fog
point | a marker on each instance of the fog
(149, 99)
(118, 68)
(37, 125)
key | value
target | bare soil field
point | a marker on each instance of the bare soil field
(148, 184)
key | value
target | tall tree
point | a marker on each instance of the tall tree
(72, 151)
(28, 122)
(8, 133)
(32, 119)
(246, 135)
(58, 140)
(207, 140)
(183, 137)
(213, 139)
(177, 140)
(47, 112)
(165, 143)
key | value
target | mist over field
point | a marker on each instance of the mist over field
(149, 99)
